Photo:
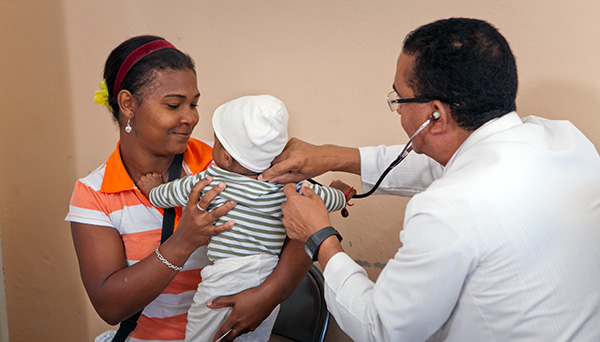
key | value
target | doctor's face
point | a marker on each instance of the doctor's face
(412, 114)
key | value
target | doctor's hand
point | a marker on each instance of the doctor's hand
(301, 160)
(303, 214)
(298, 161)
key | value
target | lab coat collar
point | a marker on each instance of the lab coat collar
(491, 127)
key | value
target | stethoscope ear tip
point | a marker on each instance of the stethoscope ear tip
(407, 149)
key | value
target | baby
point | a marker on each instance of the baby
(249, 133)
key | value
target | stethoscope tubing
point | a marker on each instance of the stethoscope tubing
(407, 149)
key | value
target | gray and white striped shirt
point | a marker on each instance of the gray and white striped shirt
(257, 215)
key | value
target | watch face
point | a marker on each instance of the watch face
(314, 241)
(308, 251)
(311, 247)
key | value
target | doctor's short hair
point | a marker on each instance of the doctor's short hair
(466, 63)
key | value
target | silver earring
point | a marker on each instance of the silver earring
(128, 127)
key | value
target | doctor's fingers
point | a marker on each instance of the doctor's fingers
(304, 215)
(285, 171)
(294, 164)
(290, 191)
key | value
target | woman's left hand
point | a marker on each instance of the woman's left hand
(196, 224)
(252, 306)
(249, 309)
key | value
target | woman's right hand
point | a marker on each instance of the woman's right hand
(118, 291)
(197, 225)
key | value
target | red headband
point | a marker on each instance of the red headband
(135, 57)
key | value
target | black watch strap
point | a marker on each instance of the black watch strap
(314, 241)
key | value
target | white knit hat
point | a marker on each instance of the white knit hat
(253, 129)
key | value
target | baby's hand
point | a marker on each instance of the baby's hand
(149, 181)
(348, 190)
(345, 188)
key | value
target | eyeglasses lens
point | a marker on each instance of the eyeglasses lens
(392, 97)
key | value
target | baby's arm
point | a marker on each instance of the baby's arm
(334, 199)
(175, 193)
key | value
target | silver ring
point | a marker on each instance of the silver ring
(199, 208)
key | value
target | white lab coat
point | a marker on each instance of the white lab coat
(503, 244)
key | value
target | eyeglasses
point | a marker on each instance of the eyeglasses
(393, 99)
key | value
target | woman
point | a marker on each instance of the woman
(151, 89)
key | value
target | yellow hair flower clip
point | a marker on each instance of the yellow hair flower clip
(101, 96)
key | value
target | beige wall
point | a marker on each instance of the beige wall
(332, 63)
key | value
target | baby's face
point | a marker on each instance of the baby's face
(218, 153)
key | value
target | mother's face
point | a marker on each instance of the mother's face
(166, 114)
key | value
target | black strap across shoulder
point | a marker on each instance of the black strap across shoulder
(128, 325)
(169, 213)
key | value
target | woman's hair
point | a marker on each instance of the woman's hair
(467, 64)
(143, 73)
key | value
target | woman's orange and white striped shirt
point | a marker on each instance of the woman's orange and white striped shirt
(107, 197)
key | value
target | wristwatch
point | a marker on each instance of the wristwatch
(314, 241)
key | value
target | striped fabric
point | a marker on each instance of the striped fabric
(108, 197)
(257, 215)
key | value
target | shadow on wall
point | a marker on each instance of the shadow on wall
(45, 299)
(560, 100)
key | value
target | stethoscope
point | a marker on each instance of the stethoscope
(407, 149)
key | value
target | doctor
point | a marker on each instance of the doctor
(500, 238)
